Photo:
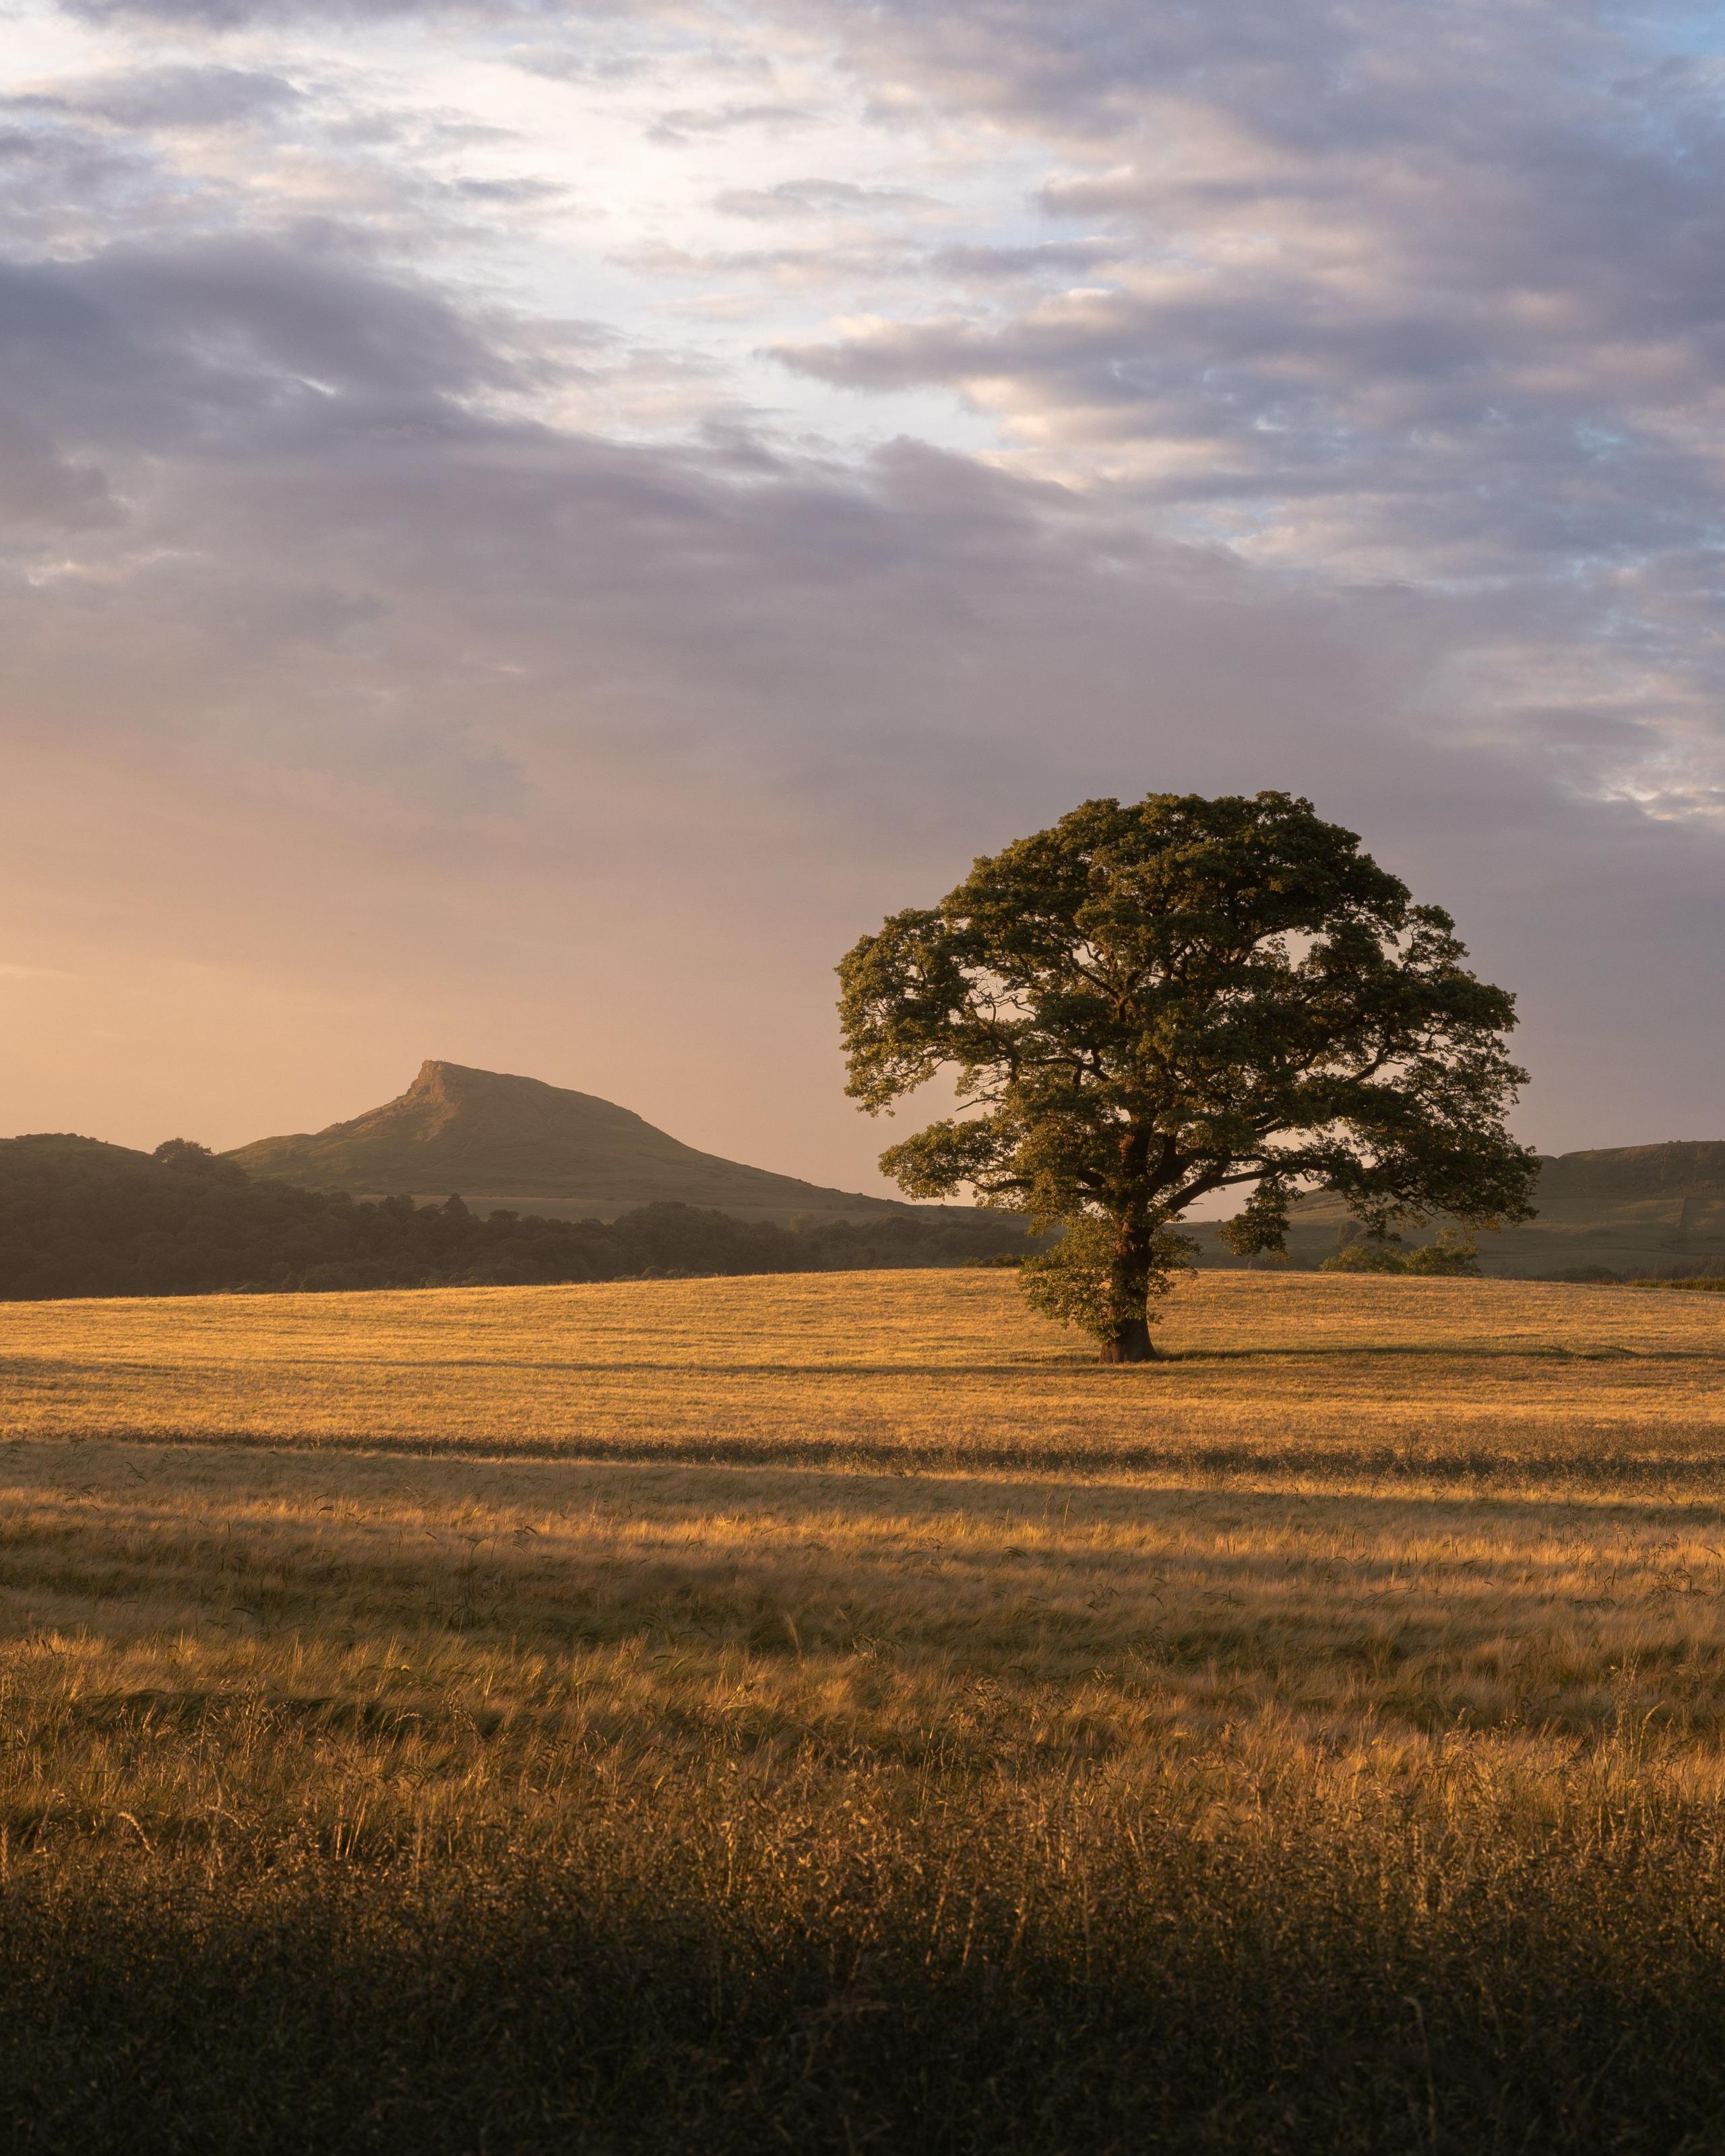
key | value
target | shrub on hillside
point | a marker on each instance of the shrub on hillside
(1451, 1253)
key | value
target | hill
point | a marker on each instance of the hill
(1650, 1210)
(500, 1140)
(80, 1217)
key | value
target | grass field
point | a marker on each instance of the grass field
(830, 1712)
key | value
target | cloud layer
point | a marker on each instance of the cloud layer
(524, 529)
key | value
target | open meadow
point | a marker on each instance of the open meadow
(831, 1712)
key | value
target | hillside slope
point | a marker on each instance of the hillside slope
(80, 1218)
(1651, 1209)
(499, 1140)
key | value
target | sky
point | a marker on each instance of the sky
(526, 528)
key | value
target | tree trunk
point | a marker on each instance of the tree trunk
(1132, 1343)
(1127, 1336)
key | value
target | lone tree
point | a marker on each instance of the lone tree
(1147, 1004)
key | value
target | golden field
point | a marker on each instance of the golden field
(832, 1711)
(1288, 1375)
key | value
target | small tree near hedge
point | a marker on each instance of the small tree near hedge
(1146, 1004)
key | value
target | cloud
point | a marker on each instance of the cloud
(321, 503)
(223, 15)
(1302, 397)
(985, 263)
(803, 199)
(1315, 71)
(189, 97)
(163, 345)
(1424, 298)
(600, 70)
(312, 466)
(676, 125)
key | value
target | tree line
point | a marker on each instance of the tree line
(81, 1218)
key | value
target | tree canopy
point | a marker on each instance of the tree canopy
(1147, 1004)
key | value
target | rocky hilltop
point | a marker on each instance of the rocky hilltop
(504, 1141)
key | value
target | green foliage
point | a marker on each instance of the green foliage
(1145, 1005)
(1075, 1281)
(1260, 1227)
(1371, 1254)
(80, 1217)
(1452, 1253)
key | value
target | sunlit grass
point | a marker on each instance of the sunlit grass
(831, 1712)
(1302, 1377)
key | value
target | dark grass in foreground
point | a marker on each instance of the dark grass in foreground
(1228, 1953)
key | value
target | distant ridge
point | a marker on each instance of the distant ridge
(1680, 1167)
(1647, 1208)
(505, 1141)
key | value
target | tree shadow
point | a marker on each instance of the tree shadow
(1476, 1472)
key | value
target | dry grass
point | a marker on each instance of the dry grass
(1302, 1378)
(829, 1712)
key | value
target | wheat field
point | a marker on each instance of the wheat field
(833, 1712)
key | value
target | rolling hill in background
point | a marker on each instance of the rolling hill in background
(501, 1141)
(80, 1217)
(1652, 1210)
